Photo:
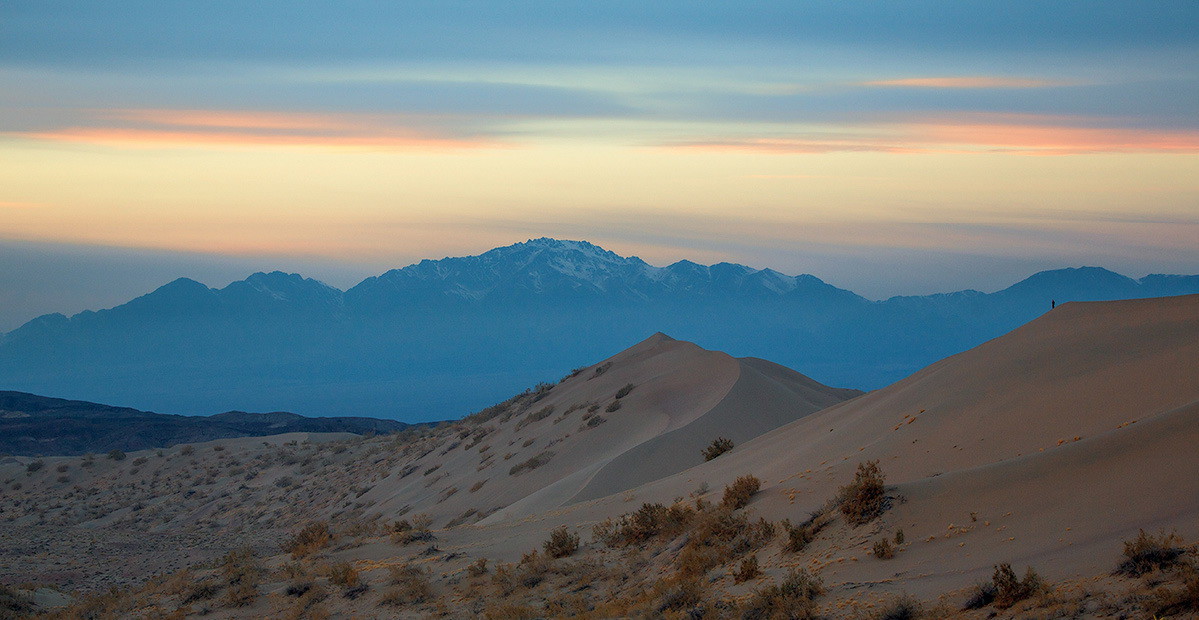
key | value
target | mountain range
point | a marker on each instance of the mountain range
(440, 338)
(34, 425)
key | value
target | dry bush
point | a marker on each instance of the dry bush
(981, 595)
(719, 446)
(1147, 553)
(313, 537)
(863, 499)
(649, 521)
(343, 574)
(903, 608)
(624, 391)
(737, 494)
(800, 536)
(747, 570)
(531, 464)
(612, 406)
(678, 595)
(478, 569)
(409, 585)
(1009, 590)
(535, 416)
(34, 466)
(242, 573)
(116, 455)
(883, 549)
(561, 543)
(794, 598)
(717, 536)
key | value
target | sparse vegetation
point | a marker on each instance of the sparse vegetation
(864, 499)
(313, 537)
(747, 570)
(561, 543)
(719, 446)
(883, 549)
(1147, 553)
(409, 585)
(34, 466)
(794, 598)
(800, 536)
(343, 574)
(624, 391)
(1010, 590)
(116, 455)
(531, 464)
(612, 406)
(738, 494)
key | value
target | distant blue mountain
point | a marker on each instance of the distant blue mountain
(441, 338)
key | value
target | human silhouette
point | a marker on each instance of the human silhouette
(1052, 304)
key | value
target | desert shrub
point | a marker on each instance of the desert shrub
(793, 598)
(883, 549)
(738, 494)
(343, 574)
(899, 538)
(593, 422)
(717, 536)
(863, 499)
(747, 570)
(1147, 553)
(405, 533)
(313, 537)
(649, 521)
(561, 543)
(903, 608)
(478, 569)
(201, 590)
(535, 416)
(800, 536)
(432, 469)
(63, 468)
(116, 455)
(612, 406)
(187, 450)
(34, 466)
(531, 464)
(719, 446)
(624, 391)
(409, 585)
(981, 595)
(1009, 590)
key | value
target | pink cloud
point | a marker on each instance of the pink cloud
(981, 81)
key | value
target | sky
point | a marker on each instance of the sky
(886, 147)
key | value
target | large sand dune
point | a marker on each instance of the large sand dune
(682, 397)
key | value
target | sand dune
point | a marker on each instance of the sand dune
(682, 397)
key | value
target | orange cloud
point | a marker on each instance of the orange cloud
(998, 136)
(966, 82)
(183, 128)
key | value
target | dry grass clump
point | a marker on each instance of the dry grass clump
(649, 521)
(613, 406)
(624, 391)
(478, 569)
(1168, 601)
(748, 569)
(34, 466)
(863, 499)
(343, 574)
(737, 494)
(561, 543)
(535, 416)
(116, 455)
(312, 538)
(1147, 553)
(1010, 590)
(404, 532)
(800, 536)
(719, 446)
(794, 598)
(883, 549)
(409, 585)
(531, 464)
(718, 536)
(903, 608)
(242, 573)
